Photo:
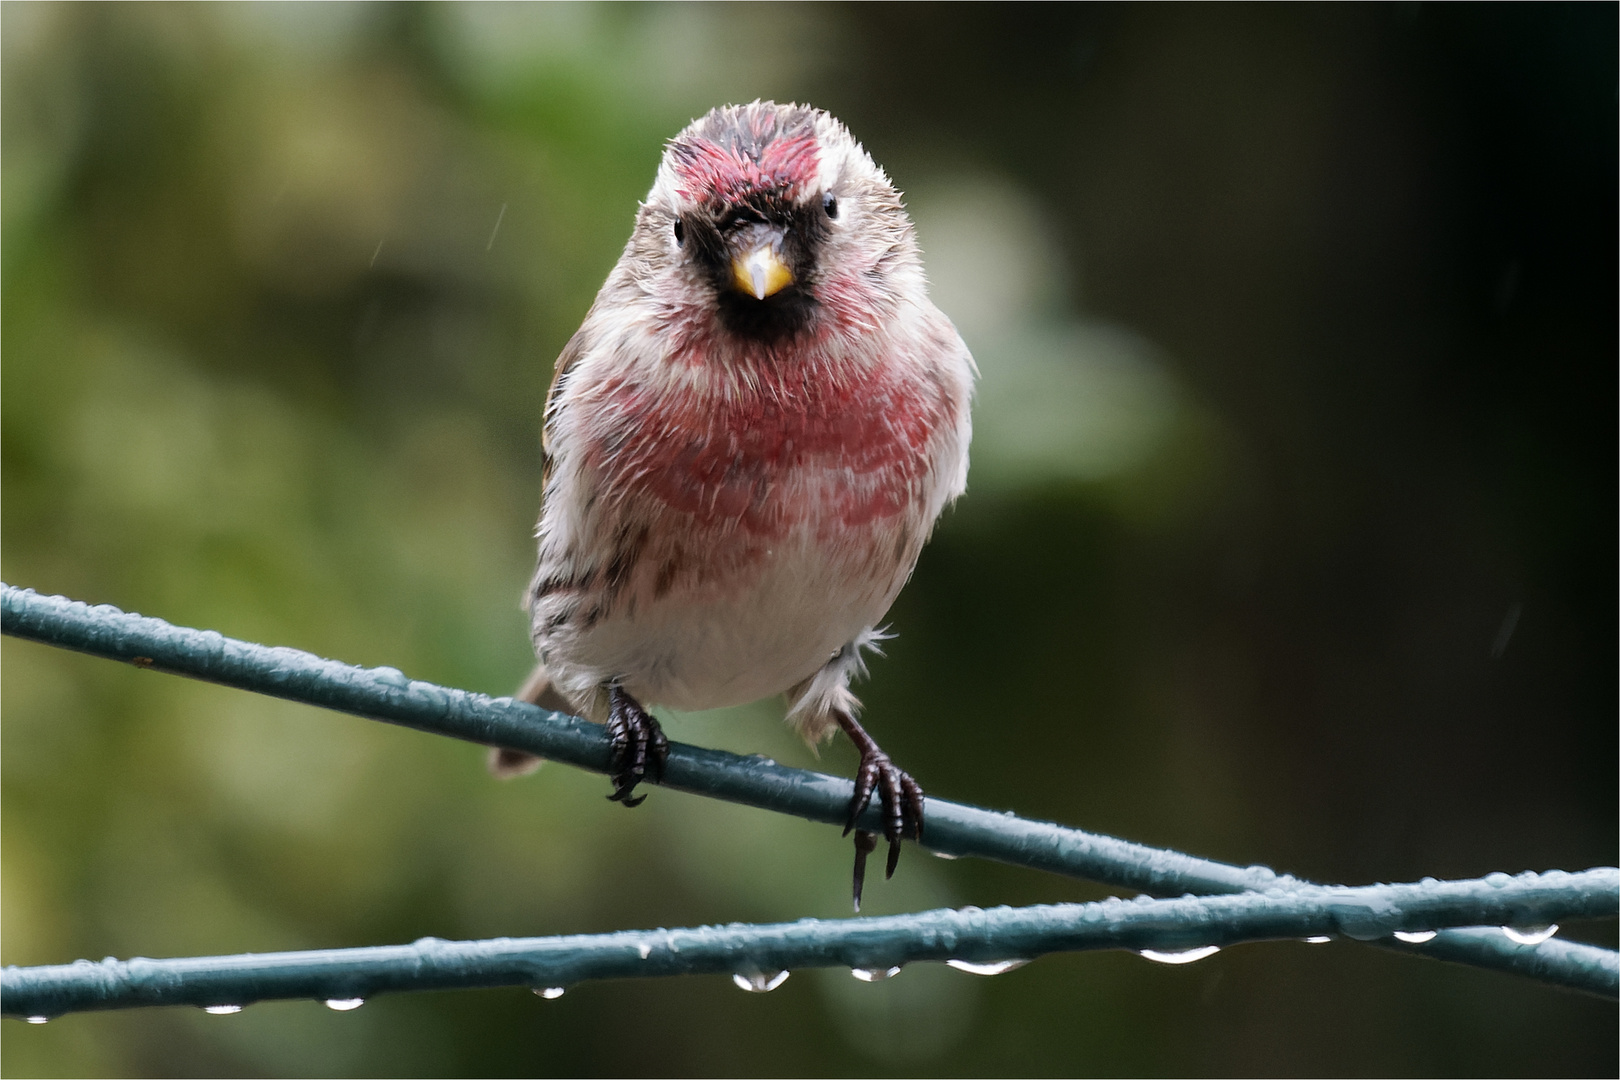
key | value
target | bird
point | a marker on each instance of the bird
(745, 446)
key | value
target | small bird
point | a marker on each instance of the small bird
(746, 444)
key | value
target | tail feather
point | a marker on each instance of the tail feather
(508, 764)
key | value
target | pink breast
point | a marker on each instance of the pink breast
(842, 452)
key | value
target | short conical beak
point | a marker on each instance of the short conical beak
(760, 273)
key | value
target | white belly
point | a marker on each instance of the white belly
(731, 642)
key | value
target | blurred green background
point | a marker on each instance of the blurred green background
(1290, 534)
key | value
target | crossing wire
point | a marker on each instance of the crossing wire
(389, 695)
(987, 942)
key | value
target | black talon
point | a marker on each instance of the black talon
(900, 796)
(639, 748)
(865, 844)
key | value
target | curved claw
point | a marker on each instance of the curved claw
(865, 844)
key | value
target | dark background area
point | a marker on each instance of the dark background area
(1330, 290)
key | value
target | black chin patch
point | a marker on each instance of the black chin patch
(777, 317)
(715, 234)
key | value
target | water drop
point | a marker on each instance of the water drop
(1497, 880)
(39, 1019)
(760, 982)
(222, 1010)
(344, 1004)
(1530, 935)
(645, 949)
(1186, 956)
(875, 974)
(391, 676)
(999, 967)
(1416, 937)
(944, 855)
(1320, 939)
(550, 993)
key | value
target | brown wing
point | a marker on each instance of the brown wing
(565, 360)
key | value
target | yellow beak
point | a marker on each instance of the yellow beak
(760, 273)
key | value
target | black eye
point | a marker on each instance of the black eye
(829, 203)
(680, 231)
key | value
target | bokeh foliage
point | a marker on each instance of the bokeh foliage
(1290, 536)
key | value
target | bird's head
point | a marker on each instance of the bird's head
(771, 220)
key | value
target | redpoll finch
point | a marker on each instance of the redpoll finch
(746, 445)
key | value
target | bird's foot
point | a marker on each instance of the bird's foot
(900, 795)
(638, 744)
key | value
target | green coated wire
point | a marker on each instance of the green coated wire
(953, 828)
(983, 942)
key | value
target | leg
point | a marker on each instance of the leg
(639, 746)
(901, 797)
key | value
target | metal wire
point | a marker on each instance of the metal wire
(953, 828)
(989, 941)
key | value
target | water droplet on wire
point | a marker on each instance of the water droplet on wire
(550, 993)
(1186, 956)
(760, 982)
(39, 1019)
(1530, 935)
(1416, 937)
(998, 967)
(344, 1004)
(875, 974)
(222, 1010)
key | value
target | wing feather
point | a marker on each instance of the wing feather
(566, 359)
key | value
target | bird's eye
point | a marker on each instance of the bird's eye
(680, 231)
(829, 203)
